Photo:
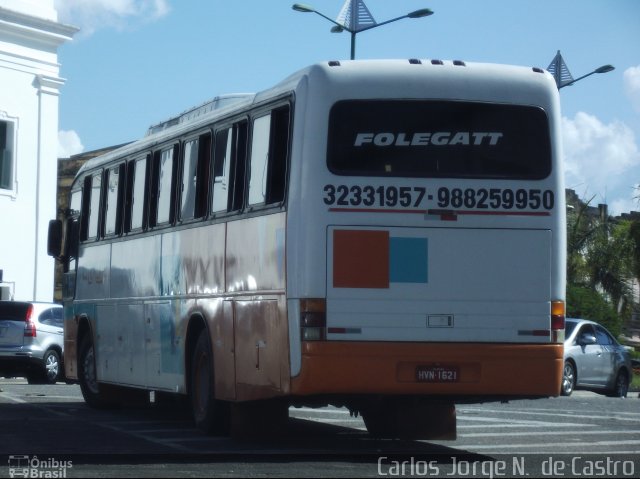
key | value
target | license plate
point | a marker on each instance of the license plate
(437, 374)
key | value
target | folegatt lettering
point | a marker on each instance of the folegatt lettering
(440, 138)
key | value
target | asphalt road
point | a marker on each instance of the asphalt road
(49, 429)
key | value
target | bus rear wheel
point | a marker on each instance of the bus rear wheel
(209, 414)
(95, 395)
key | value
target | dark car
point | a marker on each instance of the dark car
(31, 340)
(594, 360)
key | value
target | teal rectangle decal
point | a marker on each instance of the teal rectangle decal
(408, 260)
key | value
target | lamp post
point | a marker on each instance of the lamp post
(602, 69)
(353, 23)
(560, 72)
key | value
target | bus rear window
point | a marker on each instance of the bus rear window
(444, 139)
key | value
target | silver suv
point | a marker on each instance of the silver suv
(31, 341)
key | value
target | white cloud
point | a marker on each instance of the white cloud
(69, 144)
(602, 160)
(625, 205)
(91, 15)
(632, 86)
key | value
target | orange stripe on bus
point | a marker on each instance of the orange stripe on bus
(347, 367)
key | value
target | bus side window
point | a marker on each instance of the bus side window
(269, 152)
(136, 192)
(91, 207)
(189, 179)
(259, 159)
(195, 177)
(203, 172)
(278, 155)
(113, 200)
(72, 233)
(229, 168)
(163, 187)
(238, 167)
(221, 162)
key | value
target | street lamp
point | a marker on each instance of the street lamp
(560, 72)
(353, 27)
(602, 69)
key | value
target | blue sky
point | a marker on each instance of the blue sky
(138, 62)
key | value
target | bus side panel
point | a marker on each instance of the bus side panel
(135, 268)
(224, 355)
(259, 329)
(93, 280)
(70, 342)
(164, 362)
(193, 265)
(255, 274)
(255, 254)
(193, 261)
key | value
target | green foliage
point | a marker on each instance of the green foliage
(603, 256)
(586, 303)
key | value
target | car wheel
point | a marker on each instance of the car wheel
(52, 365)
(568, 379)
(621, 386)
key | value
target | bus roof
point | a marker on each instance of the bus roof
(442, 76)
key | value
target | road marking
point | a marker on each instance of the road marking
(550, 433)
(553, 414)
(554, 446)
(10, 397)
(154, 440)
(520, 422)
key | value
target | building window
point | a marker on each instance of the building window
(6, 155)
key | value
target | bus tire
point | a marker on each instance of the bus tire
(209, 414)
(96, 395)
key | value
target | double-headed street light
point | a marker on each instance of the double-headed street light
(352, 22)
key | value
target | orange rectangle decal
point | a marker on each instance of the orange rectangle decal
(360, 259)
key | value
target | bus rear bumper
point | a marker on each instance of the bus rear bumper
(453, 370)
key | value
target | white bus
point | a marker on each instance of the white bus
(387, 236)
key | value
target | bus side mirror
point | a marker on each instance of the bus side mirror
(54, 239)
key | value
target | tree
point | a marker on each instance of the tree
(603, 255)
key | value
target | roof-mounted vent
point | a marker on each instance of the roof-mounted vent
(437, 62)
(334, 63)
(415, 61)
(459, 63)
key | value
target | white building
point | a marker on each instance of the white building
(30, 35)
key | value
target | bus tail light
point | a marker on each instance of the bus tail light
(30, 326)
(313, 319)
(557, 321)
